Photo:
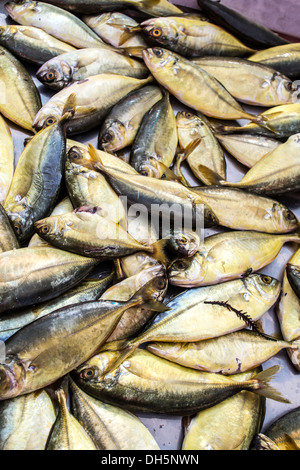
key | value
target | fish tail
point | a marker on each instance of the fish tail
(264, 388)
(158, 249)
(295, 344)
(262, 121)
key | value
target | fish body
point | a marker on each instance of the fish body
(8, 239)
(285, 432)
(6, 159)
(284, 58)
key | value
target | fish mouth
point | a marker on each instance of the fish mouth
(8, 382)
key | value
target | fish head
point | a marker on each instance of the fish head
(284, 219)
(91, 372)
(293, 275)
(184, 243)
(147, 274)
(12, 378)
(112, 136)
(150, 167)
(158, 59)
(47, 116)
(17, 10)
(161, 31)
(77, 156)
(52, 228)
(7, 32)
(56, 74)
(265, 288)
(287, 90)
(187, 120)
(187, 272)
(21, 217)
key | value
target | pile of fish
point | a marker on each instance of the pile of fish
(104, 317)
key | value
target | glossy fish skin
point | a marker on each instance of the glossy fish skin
(111, 427)
(247, 30)
(121, 125)
(6, 159)
(138, 189)
(8, 239)
(20, 99)
(274, 174)
(258, 213)
(95, 96)
(87, 290)
(80, 64)
(193, 86)
(32, 44)
(230, 425)
(147, 383)
(37, 179)
(285, 431)
(285, 59)
(67, 433)
(209, 153)
(156, 140)
(227, 256)
(249, 83)
(293, 275)
(191, 37)
(26, 422)
(55, 21)
(33, 275)
(247, 149)
(71, 336)
(230, 354)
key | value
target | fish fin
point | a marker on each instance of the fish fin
(136, 51)
(290, 443)
(265, 388)
(128, 32)
(70, 107)
(189, 149)
(159, 251)
(118, 270)
(208, 176)
(168, 174)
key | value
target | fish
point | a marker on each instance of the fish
(55, 21)
(74, 66)
(202, 313)
(230, 425)
(8, 239)
(293, 275)
(208, 152)
(274, 174)
(147, 383)
(6, 159)
(192, 37)
(122, 123)
(238, 209)
(111, 427)
(251, 83)
(155, 144)
(33, 275)
(263, 442)
(234, 353)
(20, 99)
(284, 431)
(38, 176)
(67, 433)
(287, 312)
(284, 58)
(71, 335)
(246, 29)
(247, 149)
(195, 87)
(26, 421)
(228, 255)
(89, 289)
(32, 44)
(95, 96)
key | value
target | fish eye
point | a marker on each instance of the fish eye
(182, 241)
(45, 229)
(290, 215)
(107, 137)
(88, 374)
(188, 115)
(266, 280)
(179, 265)
(17, 228)
(74, 153)
(50, 76)
(156, 32)
(49, 121)
(144, 173)
(158, 52)
(161, 283)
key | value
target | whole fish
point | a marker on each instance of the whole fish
(32, 44)
(244, 28)
(195, 87)
(192, 37)
(274, 174)
(285, 59)
(8, 239)
(122, 123)
(234, 353)
(110, 427)
(251, 83)
(95, 96)
(209, 153)
(288, 312)
(6, 159)
(284, 432)
(230, 425)
(247, 149)
(147, 383)
(71, 335)
(33, 275)
(55, 21)
(87, 290)
(80, 64)
(239, 210)
(19, 99)
(155, 144)
(150, 7)
(67, 433)
(228, 255)
(38, 175)
(26, 421)
(202, 313)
